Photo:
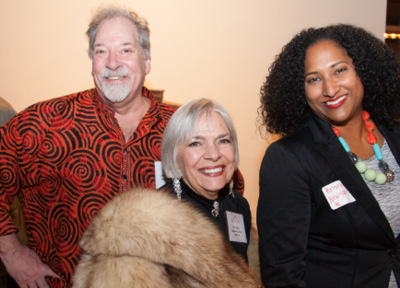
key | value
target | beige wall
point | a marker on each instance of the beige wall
(210, 48)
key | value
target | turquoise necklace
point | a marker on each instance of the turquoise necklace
(382, 177)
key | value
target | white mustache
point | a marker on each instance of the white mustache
(119, 72)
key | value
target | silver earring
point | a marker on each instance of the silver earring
(231, 189)
(177, 188)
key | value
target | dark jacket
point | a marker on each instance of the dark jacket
(305, 243)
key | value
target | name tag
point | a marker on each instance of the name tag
(160, 180)
(237, 232)
(337, 195)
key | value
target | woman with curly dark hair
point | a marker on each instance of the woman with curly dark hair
(329, 208)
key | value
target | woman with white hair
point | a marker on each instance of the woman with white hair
(200, 155)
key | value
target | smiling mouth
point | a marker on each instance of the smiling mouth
(212, 171)
(115, 77)
(335, 102)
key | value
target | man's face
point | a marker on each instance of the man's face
(118, 67)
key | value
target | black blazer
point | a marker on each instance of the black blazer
(305, 243)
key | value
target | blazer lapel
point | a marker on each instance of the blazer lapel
(340, 162)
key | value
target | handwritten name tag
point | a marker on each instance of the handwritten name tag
(337, 195)
(237, 232)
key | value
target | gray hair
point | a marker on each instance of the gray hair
(181, 126)
(143, 31)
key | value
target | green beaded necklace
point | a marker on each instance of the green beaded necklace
(370, 174)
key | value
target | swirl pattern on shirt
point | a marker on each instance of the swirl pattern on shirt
(63, 158)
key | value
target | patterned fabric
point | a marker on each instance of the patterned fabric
(66, 158)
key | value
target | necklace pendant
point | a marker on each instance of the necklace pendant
(215, 211)
(389, 175)
(385, 169)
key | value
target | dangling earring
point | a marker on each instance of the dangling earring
(231, 189)
(177, 188)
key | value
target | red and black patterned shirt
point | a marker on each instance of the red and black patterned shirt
(66, 158)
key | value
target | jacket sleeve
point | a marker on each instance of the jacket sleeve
(283, 217)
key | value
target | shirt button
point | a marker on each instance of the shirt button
(124, 176)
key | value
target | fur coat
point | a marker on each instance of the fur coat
(146, 238)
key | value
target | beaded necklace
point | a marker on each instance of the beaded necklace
(370, 174)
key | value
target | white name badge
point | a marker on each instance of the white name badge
(160, 180)
(337, 195)
(237, 232)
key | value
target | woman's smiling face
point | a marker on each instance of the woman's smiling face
(333, 90)
(207, 159)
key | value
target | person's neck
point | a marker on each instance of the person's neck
(129, 113)
(208, 196)
(353, 131)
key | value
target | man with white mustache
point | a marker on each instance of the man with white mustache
(67, 157)
(115, 92)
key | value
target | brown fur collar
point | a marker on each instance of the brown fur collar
(146, 238)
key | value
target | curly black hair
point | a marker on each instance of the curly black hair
(283, 102)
